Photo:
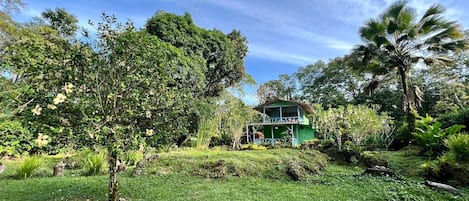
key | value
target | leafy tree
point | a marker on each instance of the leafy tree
(61, 20)
(289, 86)
(223, 53)
(356, 122)
(270, 90)
(128, 89)
(234, 116)
(142, 96)
(331, 84)
(9, 6)
(397, 40)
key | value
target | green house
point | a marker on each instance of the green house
(283, 122)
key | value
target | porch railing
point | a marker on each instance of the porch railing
(283, 119)
(287, 141)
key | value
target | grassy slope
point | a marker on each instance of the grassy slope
(337, 183)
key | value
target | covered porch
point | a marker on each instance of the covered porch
(273, 133)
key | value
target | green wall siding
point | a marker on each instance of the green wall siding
(305, 132)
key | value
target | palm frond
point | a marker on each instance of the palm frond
(394, 10)
(405, 18)
(372, 29)
(435, 9)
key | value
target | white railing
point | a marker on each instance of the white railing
(283, 119)
(287, 141)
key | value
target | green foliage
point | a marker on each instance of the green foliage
(132, 157)
(359, 123)
(447, 169)
(330, 84)
(16, 139)
(458, 146)
(457, 117)
(223, 54)
(431, 136)
(372, 158)
(253, 147)
(394, 42)
(95, 164)
(61, 21)
(27, 167)
(208, 128)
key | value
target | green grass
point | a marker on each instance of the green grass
(336, 183)
(253, 163)
(406, 161)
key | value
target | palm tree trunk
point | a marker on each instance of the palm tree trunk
(406, 103)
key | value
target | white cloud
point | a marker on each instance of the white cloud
(266, 52)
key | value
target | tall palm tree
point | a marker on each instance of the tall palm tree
(398, 40)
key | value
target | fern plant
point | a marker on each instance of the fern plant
(458, 146)
(27, 167)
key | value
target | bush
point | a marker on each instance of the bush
(253, 147)
(430, 135)
(311, 144)
(447, 169)
(95, 163)
(373, 158)
(15, 139)
(457, 117)
(401, 137)
(132, 157)
(458, 146)
(27, 167)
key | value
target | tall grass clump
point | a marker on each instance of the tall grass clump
(95, 164)
(27, 167)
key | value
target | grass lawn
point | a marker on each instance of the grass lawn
(335, 183)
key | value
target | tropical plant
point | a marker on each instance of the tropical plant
(94, 163)
(458, 146)
(28, 166)
(397, 40)
(431, 136)
(457, 117)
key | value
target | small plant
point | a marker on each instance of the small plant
(95, 163)
(132, 157)
(373, 158)
(28, 166)
(458, 146)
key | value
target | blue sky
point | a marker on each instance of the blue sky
(283, 34)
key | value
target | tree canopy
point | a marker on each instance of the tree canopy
(223, 53)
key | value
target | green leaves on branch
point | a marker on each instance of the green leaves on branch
(223, 54)
(358, 123)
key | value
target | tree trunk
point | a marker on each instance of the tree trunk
(406, 103)
(113, 184)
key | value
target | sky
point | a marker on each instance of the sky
(282, 34)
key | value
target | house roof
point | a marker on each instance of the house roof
(306, 107)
